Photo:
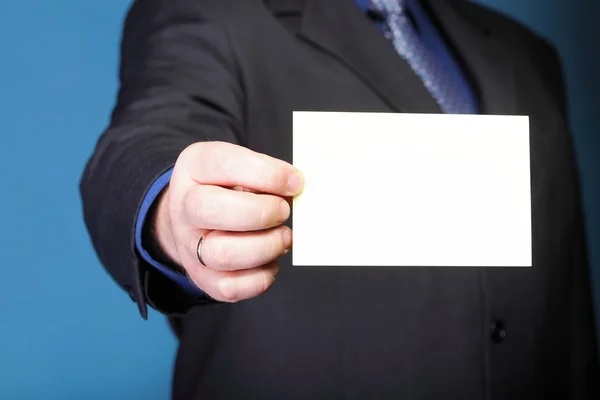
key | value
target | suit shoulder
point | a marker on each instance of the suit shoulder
(154, 11)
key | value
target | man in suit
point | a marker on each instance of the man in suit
(186, 199)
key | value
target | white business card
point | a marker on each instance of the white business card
(385, 189)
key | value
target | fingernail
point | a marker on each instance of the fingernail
(284, 211)
(295, 183)
(287, 239)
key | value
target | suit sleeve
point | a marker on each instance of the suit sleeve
(178, 85)
(585, 373)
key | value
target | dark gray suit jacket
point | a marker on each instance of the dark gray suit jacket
(234, 70)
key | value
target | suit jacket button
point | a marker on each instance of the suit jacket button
(498, 331)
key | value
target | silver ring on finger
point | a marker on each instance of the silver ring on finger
(199, 247)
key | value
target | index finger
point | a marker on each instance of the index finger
(226, 164)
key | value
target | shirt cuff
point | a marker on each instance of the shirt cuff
(157, 187)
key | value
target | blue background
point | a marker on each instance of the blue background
(66, 330)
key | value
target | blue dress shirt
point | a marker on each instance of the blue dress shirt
(432, 39)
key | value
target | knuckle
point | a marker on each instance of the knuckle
(268, 277)
(278, 240)
(204, 207)
(272, 176)
(266, 215)
(273, 243)
(271, 214)
(205, 160)
(227, 290)
(265, 171)
(195, 149)
(220, 255)
(190, 154)
(268, 176)
(266, 282)
(221, 162)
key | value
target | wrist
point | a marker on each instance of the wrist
(161, 237)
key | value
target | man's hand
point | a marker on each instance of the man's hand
(236, 198)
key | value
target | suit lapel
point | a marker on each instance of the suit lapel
(340, 29)
(491, 70)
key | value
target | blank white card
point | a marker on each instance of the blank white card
(386, 189)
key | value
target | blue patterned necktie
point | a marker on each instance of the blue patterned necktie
(439, 82)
